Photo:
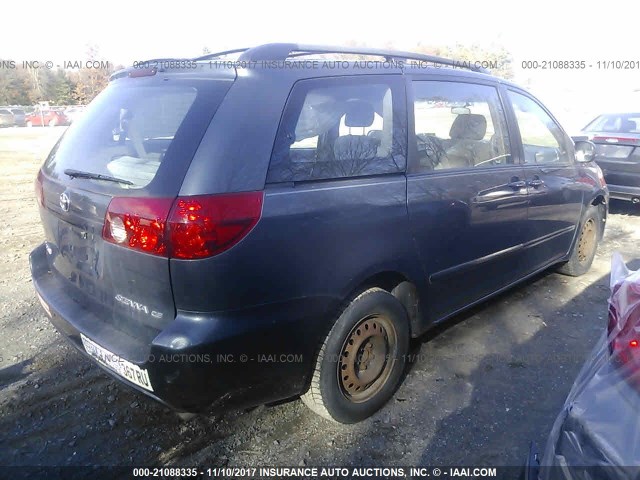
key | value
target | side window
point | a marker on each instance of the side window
(542, 139)
(459, 125)
(341, 127)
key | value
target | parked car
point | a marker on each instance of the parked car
(51, 118)
(6, 118)
(73, 113)
(19, 117)
(238, 238)
(617, 139)
(591, 436)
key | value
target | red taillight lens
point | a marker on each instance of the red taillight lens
(138, 223)
(39, 190)
(187, 227)
(203, 226)
(615, 140)
(624, 329)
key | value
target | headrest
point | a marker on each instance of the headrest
(628, 126)
(359, 114)
(469, 126)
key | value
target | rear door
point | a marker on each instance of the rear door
(143, 132)
(555, 189)
(466, 195)
(335, 207)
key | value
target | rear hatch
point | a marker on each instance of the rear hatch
(140, 135)
(617, 140)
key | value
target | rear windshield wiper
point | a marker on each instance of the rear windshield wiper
(95, 176)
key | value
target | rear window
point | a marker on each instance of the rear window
(17, 111)
(623, 123)
(4, 112)
(136, 129)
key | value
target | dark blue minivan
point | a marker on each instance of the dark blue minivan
(238, 232)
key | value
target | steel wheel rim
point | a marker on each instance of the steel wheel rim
(587, 241)
(367, 357)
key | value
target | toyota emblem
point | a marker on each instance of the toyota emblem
(64, 201)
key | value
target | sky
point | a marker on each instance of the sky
(126, 31)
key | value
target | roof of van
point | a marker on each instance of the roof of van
(306, 61)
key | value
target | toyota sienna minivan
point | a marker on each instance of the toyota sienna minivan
(234, 233)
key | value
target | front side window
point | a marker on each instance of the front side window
(340, 127)
(542, 139)
(459, 125)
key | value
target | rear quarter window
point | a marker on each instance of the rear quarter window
(341, 128)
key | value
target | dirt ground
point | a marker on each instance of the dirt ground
(482, 386)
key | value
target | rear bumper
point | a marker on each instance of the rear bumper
(199, 361)
(623, 192)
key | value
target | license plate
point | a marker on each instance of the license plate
(122, 367)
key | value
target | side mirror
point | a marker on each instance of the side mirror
(585, 151)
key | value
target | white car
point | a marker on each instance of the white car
(73, 113)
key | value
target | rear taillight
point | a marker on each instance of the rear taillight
(203, 226)
(138, 223)
(615, 140)
(39, 190)
(185, 228)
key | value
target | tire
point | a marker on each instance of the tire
(29, 124)
(53, 122)
(372, 332)
(586, 244)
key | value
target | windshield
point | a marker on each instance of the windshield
(128, 130)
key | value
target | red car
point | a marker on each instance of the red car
(51, 118)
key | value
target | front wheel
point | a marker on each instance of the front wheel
(585, 246)
(362, 359)
(29, 124)
(53, 122)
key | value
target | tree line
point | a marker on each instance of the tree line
(24, 85)
(28, 86)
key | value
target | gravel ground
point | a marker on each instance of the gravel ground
(481, 387)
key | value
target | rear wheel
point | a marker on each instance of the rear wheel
(53, 122)
(362, 359)
(585, 246)
(29, 123)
